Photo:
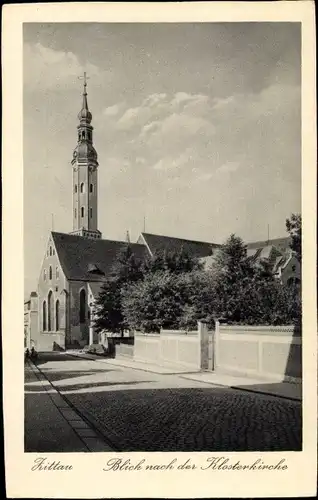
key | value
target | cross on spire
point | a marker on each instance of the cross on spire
(85, 78)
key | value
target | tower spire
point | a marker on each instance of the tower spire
(85, 116)
(85, 166)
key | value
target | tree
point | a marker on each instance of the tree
(175, 261)
(293, 226)
(108, 308)
(154, 302)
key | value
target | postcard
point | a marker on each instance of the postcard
(159, 228)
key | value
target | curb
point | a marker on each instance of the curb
(95, 440)
(245, 389)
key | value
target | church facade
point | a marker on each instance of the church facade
(76, 264)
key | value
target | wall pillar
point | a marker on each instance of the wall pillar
(204, 345)
(216, 344)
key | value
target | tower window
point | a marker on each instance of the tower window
(57, 275)
(75, 213)
(50, 273)
(75, 188)
(82, 188)
(91, 212)
(91, 188)
(82, 211)
(83, 134)
(89, 136)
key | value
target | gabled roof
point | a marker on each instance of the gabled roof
(159, 243)
(282, 244)
(87, 259)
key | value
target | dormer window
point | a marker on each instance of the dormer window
(93, 269)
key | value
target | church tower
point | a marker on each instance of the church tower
(85, 166)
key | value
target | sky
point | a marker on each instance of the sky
(197, 128)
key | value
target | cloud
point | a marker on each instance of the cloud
(112, 110)
(169, 163)
(48, 68)
(154, 99)
(228, 167)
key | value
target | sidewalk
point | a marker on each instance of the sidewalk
(280, 389)
(51, 425)
(131, 363)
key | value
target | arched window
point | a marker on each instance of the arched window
(91, 212)
(57, 315)
(44, 316)
(75, 188)
(82, 187)
(82, 212)
(50, 273)
(82, 312)
(91, 188)
(83, 134)
(57, 274)
(49, 311)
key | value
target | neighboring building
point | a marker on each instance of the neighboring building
(31, 321)
(277, 252)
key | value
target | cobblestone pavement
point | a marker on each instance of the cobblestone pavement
(139, 411)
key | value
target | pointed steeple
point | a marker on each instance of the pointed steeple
(85, 116)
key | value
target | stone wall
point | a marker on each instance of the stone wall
(169, 348)
(262, 351)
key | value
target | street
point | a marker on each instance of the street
(136, 410)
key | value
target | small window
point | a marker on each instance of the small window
(91, 188)
(91, 212)
(50, 251)
(83, 134)
(50, 273)
(82, 211)
(75, 188)
(82, 188)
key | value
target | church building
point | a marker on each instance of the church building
(76, 264)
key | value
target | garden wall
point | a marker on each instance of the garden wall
(262, 351)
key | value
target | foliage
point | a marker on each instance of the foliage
(108, 308)
(179, 261)
(293, 226)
